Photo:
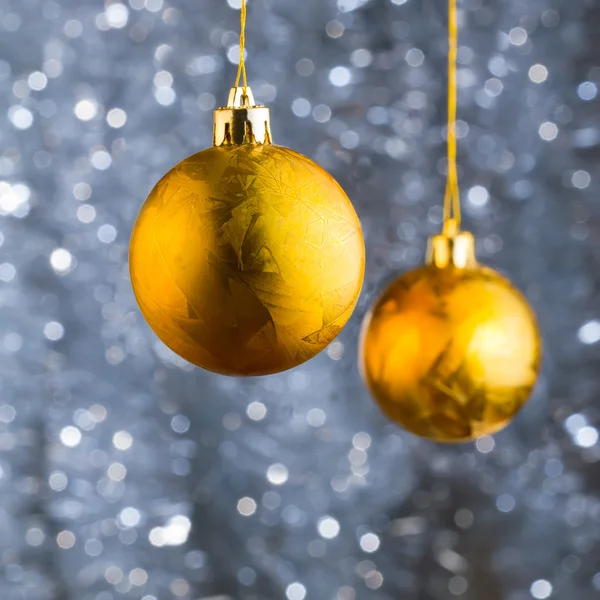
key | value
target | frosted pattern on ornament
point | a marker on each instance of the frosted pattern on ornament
(247, 260)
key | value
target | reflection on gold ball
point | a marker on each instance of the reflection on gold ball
(247, 260)
(451, 354)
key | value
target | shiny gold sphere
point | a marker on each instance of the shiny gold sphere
(451, 353)
(247, 259)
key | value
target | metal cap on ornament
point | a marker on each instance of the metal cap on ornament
(452, 248)
(242, 121)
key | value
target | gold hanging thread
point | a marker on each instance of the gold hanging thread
(452, 195)
(241, 72)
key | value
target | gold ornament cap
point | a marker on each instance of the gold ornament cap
(452, 248)
(242, 121)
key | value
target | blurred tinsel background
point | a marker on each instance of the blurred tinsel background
(125, 472)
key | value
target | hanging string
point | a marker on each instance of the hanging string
(242, 64)
(452, 196)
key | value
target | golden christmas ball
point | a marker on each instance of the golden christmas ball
(247, 258)
(451, 351)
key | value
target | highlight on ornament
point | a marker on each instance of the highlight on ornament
(247, 258)
(451, 351)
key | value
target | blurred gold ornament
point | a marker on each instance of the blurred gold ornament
(247, 258)
(451, 351)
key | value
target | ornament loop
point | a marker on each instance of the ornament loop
(241, 121)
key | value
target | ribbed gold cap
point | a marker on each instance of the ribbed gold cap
(241, 121)
(452, 248)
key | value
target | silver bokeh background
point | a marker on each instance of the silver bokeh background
(126, 473)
